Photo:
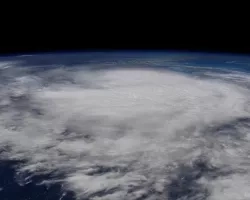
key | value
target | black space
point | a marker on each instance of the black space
(99, 34)
(13, 49)
(109, 44)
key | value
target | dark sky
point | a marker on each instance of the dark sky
(117, 36)
(101, 45)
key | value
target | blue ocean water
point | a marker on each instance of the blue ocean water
(11, 189)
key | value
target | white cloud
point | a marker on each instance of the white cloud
(128, 134)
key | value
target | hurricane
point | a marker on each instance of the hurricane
(128, 130)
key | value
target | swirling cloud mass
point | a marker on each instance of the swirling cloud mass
(129, 133)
